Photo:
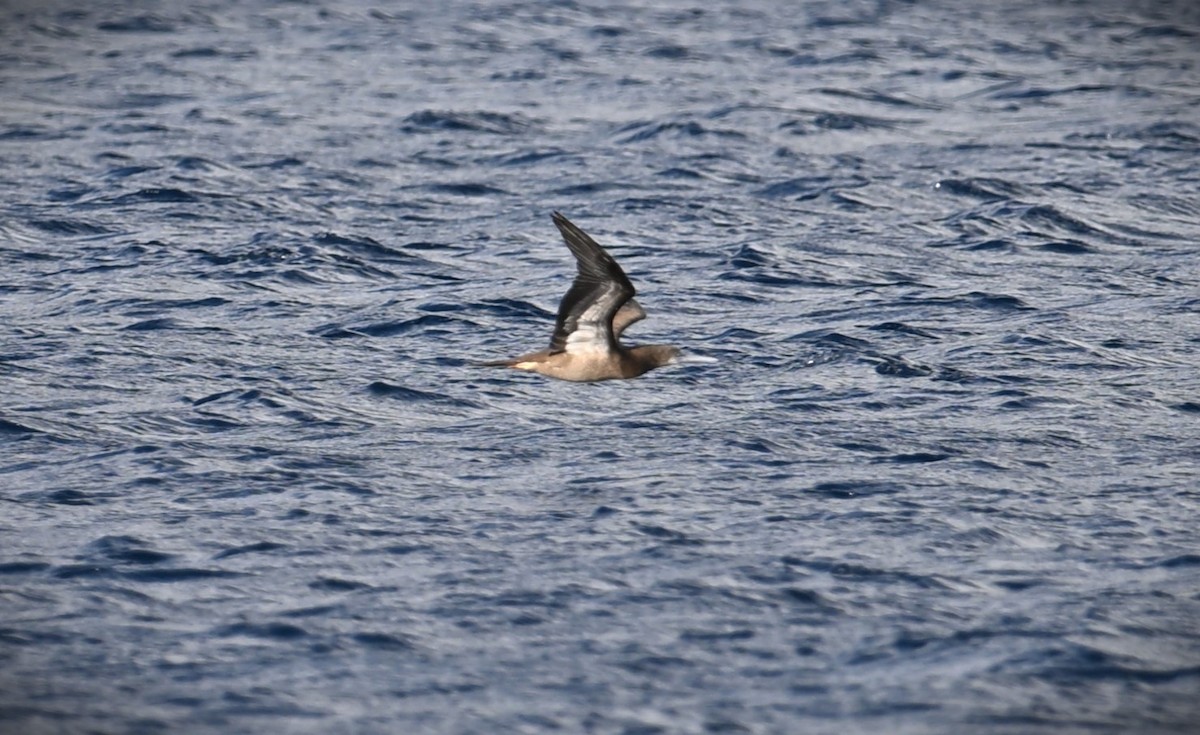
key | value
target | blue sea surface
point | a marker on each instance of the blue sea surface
(931, 463)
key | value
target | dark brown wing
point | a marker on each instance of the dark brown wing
(585, 314)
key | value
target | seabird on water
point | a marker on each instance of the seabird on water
(591, 317)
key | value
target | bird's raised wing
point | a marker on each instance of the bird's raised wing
(585, 314)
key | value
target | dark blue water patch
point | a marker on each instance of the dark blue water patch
(1176, 204)
(69, 227)
(336, 331)
(283, 162)
(69, 496)
(482, 121)
(124, 172)
(156, 195)
(995, 245)
(370, 163)
(1046, 217)
(899, 367)
(981, 222)
(23, 567)
(82, 571)
(214, 397)
(135, 101)
(738, 334)
(1022, 92)
(643, 131)
(438, 689)
(750, 263)
(553, 50)
(831, 338)
(1182, 560)
(838, 121)
(981, 300)
(1167, 136)
(653, 665)
(794, 596)
(257, 252)
(26, 637)
(949, 374)
(1077, 661)
(760, 446)
(260, 704)
(148, 23)
(363, 246)
(153, 325)
(1032, 402)
(847, 202)
(902, 328)
(671, 52)
(123, 550)
(334, 584)
(215, 52)
(851, 58)
(803, 188)
(698, 635)
(198, 163)
(469, 189)
(207, 302)
(763, 46)
(69, 194)
(426, 323)
(983, 188)
(14, 429)
(518, 75)
(800, 403)
(1164, 31)
(403, 549)
(855, 571)
(178, 574)
(426, 245)
(981, 537)
(297, 276)
(592, 188)
(748, 256)
(605, 30)
(1067, 247)
(271, 630)
(212, 423)
(1034, 340)
(261, 547)
(313, 611)
(342, 486)
(875, 96)
(134, 129)
(915, 458)
(443, 307)
(384, 641)
(412, 395)
(846, 490)
(29, 133)
(528, 157)
(676, 172)
(667, 535)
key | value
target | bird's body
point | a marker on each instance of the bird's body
(591, 317)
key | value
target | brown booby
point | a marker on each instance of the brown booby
(591, 317)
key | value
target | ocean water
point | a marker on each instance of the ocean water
(931, 466)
